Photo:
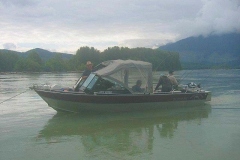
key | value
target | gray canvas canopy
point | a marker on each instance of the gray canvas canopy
(127, 72)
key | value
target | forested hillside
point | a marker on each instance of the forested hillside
(222, 51)
(38, 60)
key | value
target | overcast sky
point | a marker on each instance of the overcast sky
(67, 25)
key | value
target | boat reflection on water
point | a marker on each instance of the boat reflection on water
(125, 132)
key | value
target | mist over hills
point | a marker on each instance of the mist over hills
(215, 50)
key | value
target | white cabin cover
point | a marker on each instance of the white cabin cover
(128, 71)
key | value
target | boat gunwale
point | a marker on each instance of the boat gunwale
(119, 94)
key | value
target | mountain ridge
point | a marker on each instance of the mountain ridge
(44, 54)
(211, 50)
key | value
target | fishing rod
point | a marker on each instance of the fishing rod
(169, 55)
(184, 75)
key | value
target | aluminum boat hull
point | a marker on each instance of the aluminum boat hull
(82, 102)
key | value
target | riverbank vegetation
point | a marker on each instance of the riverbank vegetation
(13, 62)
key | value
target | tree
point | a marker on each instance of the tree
(35, 57)
(161, 60)
(56, 64)
(8, 60)
(85, 54)
(27, 65)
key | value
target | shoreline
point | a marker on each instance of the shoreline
(4, 73)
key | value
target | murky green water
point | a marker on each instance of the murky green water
(31, 130)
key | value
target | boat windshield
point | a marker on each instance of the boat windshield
(87, 81)
(98, 84)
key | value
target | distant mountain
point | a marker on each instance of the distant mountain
(9, 51)
(208, 51)
(44, 54)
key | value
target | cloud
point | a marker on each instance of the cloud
(9, 46)
(214, 17)
(69, 24)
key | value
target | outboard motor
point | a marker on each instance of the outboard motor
(199, 85)
(192, 85)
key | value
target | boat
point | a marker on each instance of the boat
(109, 89)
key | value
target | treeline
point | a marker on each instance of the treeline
(161, 60)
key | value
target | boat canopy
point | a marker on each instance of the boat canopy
(127, 72)
(113, 66)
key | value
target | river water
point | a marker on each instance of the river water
(30, 129)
